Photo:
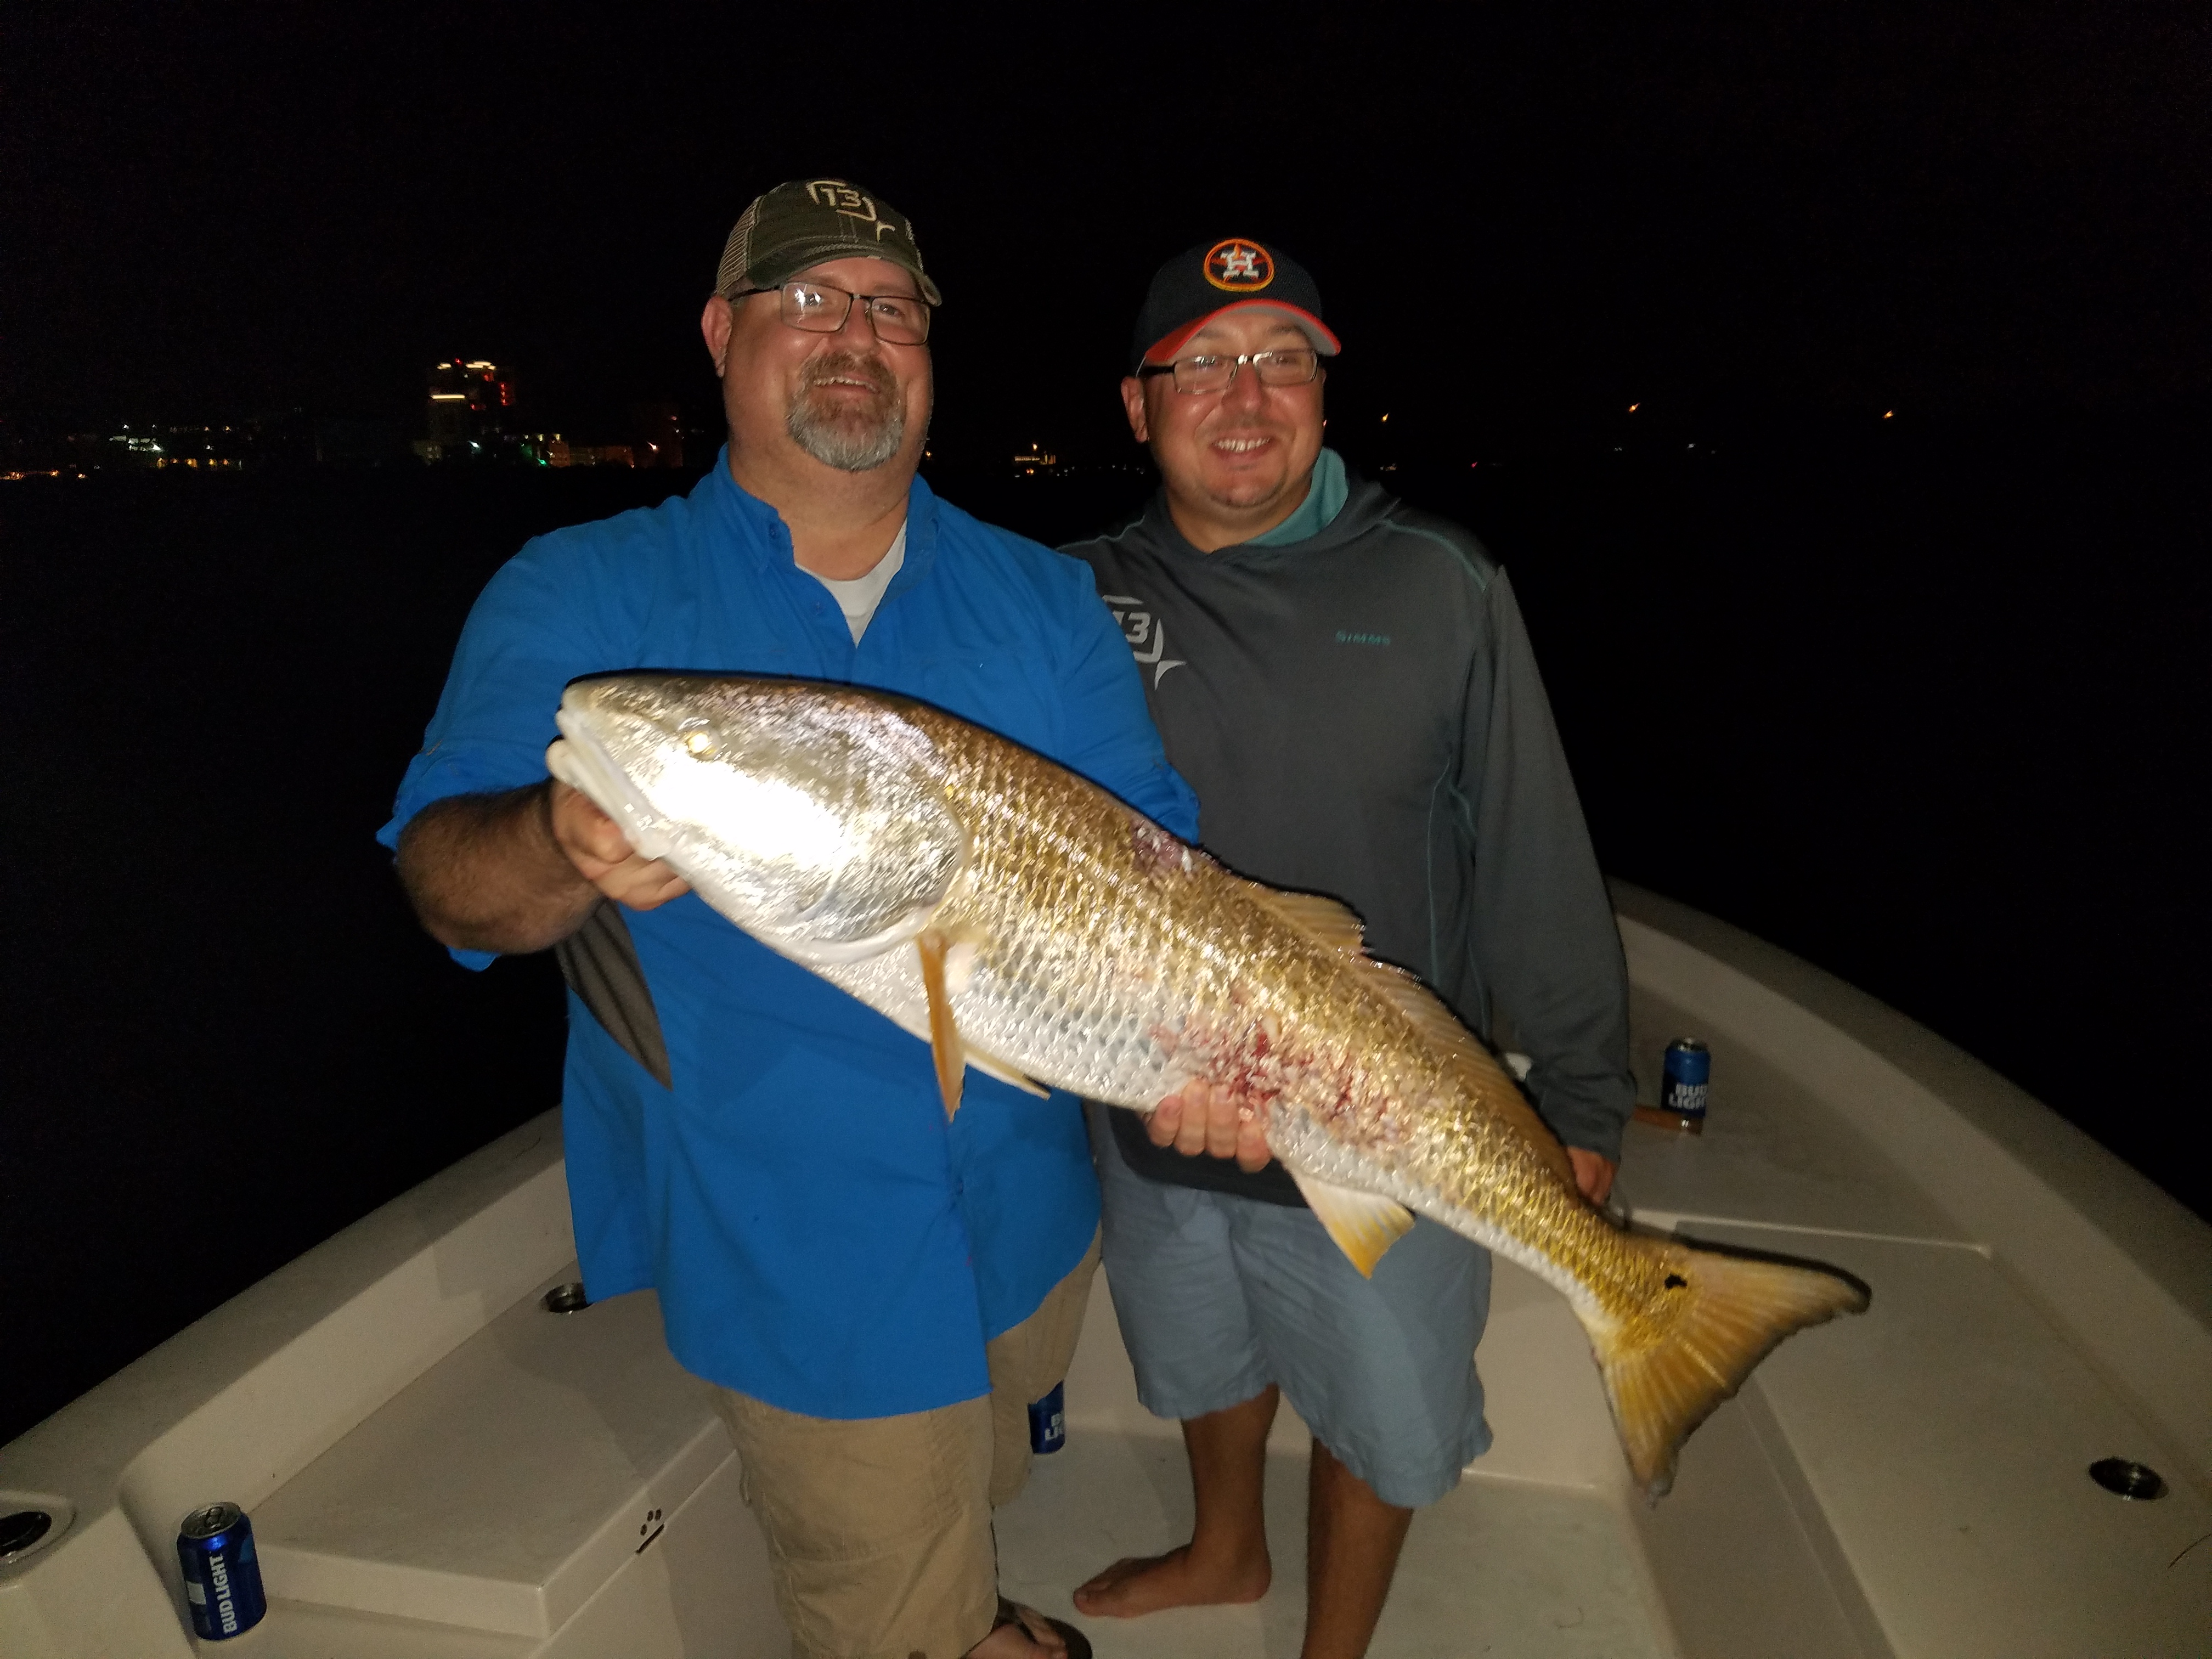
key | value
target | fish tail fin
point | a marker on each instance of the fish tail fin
(1665, 1373)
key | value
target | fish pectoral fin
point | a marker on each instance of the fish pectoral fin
(1364, 1224)
(992, 1066)
(947, 968)
(944, 1045)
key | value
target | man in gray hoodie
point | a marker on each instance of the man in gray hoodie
(1348, 685)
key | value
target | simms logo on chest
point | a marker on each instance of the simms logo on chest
(1347, 636)
(1146, 633)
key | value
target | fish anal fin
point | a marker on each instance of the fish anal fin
(1364, 1224)
(992, 1066)
(1665, 1372)
(1441, 1028)
(945, 1046)
(1322, 920)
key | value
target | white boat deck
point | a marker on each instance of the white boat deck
(1534, 1556)
(438, 1466)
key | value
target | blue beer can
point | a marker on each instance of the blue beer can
(222, 1581)
(1683, 1084)
(1048, 1421)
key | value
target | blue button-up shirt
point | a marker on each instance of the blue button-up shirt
(820, 1236)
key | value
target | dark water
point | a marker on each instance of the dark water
(1925, 711)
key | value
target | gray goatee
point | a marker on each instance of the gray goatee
(851, 438)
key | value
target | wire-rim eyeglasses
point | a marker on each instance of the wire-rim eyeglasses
(823, 307)
(1290, 366)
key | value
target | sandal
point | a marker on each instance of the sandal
(1078, 1645)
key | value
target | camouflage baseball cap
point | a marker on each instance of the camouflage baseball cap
(810, 221)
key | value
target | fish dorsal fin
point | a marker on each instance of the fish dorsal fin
(1440, 1027)
(1324, 920)
(1364, 1224)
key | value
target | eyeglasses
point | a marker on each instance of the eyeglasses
(818, 308)
(1296, 367)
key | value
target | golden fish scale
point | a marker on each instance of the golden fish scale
(1068, 891)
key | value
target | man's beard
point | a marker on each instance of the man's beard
(851, 438)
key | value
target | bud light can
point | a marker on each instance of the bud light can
(1048, 1421)
(1683, 1083)
(222, 1581)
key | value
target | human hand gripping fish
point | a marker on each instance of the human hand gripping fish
(595, 845)
(1021, 920)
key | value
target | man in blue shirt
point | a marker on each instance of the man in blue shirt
(876, 1293)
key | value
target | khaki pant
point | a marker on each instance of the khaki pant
(879, 1529)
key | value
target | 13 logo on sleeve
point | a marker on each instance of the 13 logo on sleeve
(1146, 633)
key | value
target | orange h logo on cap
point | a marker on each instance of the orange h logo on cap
(1237, 266)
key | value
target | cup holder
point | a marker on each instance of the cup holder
(564, 1299)
(2126, 1479)
(21, 1530)
(30, 1521)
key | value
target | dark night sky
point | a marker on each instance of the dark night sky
(212, 210)
(1950, 714)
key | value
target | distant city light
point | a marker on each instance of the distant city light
(1632, 408)
(1386, 417)
(1887, 413)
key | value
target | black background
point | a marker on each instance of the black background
(1919, 698)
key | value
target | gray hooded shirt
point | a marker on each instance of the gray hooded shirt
(1358, 709)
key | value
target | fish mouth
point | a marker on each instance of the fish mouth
(577, 759)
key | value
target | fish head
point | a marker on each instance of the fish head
(811, 815)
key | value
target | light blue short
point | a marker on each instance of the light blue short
(1220, 1296)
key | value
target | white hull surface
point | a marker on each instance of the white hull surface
(437, 1467)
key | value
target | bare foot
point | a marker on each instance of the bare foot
(1139, 1585)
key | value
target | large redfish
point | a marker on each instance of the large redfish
(1022, 921)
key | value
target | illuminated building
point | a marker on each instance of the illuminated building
(1037, 462)
(471, 412)
(551, 449)
(163, 449)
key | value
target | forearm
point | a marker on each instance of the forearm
(485, 872)
(1546, 938)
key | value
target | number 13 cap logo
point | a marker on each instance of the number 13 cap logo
(810, 221)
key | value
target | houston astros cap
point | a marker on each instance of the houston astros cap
(1234, 273)
(807, 221)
